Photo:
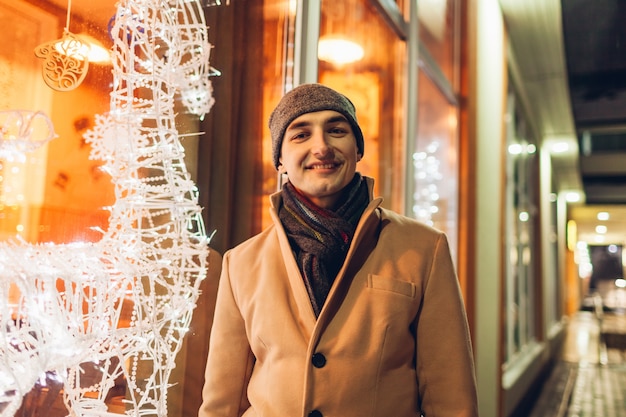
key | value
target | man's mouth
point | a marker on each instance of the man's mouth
(323, 166)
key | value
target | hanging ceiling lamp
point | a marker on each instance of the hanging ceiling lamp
(339, 51)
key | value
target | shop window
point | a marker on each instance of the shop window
(521, 222)
(435, 161)
(433, 179)
(554, 291)
(278, 77)
(361, 56)
(55, 195)
(438, 34)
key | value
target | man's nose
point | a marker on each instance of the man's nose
(319, 143)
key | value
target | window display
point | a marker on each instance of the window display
(96, 318)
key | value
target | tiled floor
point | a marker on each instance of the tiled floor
(590, 379)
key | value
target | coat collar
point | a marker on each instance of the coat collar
(363, 242)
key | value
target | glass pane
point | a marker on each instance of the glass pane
(279, 40)
(54, 193)
(50, 190)
(438, 32)
(363, 58)
(434, 174)
(521, 224)
(99, 230)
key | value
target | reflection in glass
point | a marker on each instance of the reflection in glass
(438, 33)
(435, 161)
(521, 225)
(373, 80)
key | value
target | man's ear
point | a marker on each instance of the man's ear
(359, 157)
(281, 167)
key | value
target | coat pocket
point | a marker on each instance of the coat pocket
(378, 282)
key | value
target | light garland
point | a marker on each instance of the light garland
(61, 305)
(23, 131)
(427, 178)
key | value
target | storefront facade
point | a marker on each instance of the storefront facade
(448, 140)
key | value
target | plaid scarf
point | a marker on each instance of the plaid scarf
(319, 237)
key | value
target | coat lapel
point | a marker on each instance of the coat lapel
(364, 241)
(306, 316)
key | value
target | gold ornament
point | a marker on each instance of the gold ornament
(66, 62)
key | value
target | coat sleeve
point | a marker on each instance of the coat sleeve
(230, 360)
(445, 364)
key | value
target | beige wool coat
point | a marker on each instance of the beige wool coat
(391, 340)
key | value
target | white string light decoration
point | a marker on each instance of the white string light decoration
(428, 177)
(81, 316)
(23, 131)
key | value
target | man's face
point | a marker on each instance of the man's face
(319, 155)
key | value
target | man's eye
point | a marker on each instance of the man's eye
(337, 131)
(299, 136)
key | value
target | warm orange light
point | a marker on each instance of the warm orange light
(339, 51)
(88, 46)
(572, 235)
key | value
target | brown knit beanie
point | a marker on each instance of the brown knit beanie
(309, 98)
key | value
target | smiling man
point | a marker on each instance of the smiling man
(341, 308)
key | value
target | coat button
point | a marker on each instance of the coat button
(318, 360)
(316, 413)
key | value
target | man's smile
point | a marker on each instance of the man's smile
(324, 166)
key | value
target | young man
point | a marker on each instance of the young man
(341, 308)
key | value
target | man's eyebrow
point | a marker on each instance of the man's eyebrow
(335, 119)
(306, 123)
(297, 125)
